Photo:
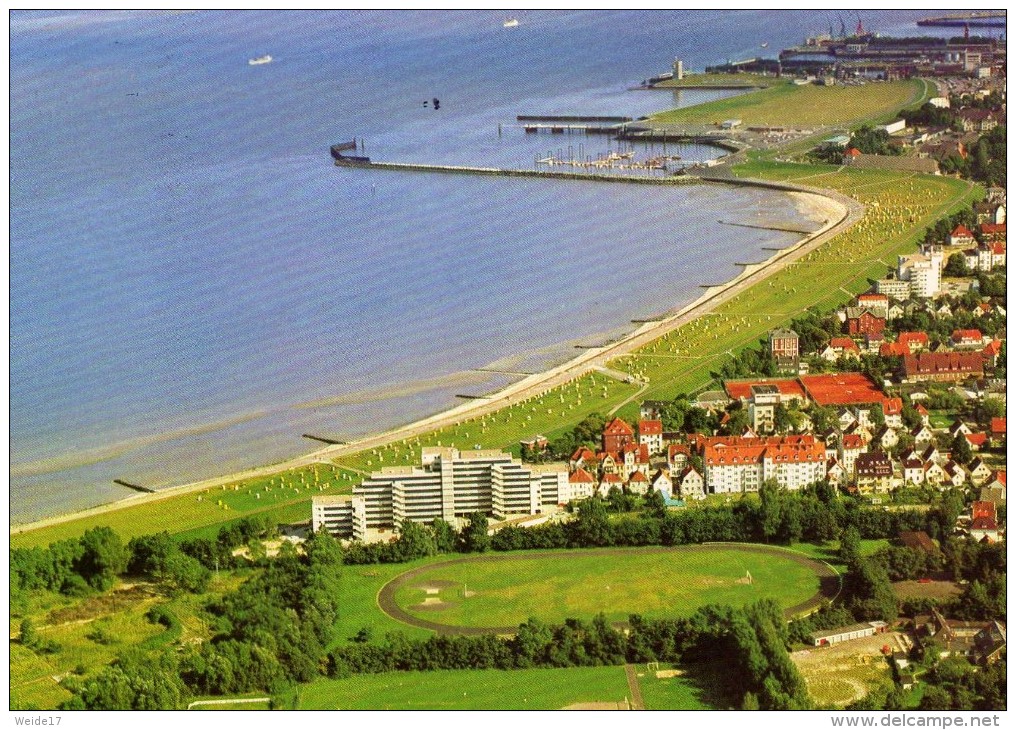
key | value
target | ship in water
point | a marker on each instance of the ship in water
(511, 23)
(259, 60)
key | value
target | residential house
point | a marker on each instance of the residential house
(663, 483)
(874, 472)
(958, 427)
(581, 457)
(976, 120)
(976, 440)
(915, 341)
(851, 446)
(933, 474)
(998, 431)
(984, 529)
(913, 471)
(835, 474)
(892, 412)
(581, 483)
(784, 344)
(864, 321)
(922, 435)
(967, 338)
(608, 482)
(690, 484)
(954, 474)
(924, 414)
(652, 410)
(616, 435)
(886, 438)
(635, 457)
(961, 236)
(893, 349)
(677, 457)
(991, 352)
(638, 483)
(895, 311)
(840, 347)
(942, 366)
(875, 302)
(651, 435)
(979, 472)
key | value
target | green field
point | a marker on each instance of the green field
(492, 592)
(520, 689)
(788, 105)
(739, 80)
(697, 687)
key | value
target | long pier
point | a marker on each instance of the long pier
(503, 172)
(974, 20)
(569, 129)
(135, 487)
(786, 229)
(569, 118)
(664, 136)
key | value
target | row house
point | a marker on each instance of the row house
(893, 349)
(967, 338)
(736, 464)
(942, 366)
(985, 257)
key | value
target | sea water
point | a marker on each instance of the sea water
(194, 284)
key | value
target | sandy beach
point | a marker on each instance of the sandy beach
(838, 211)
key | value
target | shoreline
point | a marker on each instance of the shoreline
(839, 211)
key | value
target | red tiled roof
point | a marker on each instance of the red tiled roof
(727, 450)
(617, 427)
(853, 441)
(991, 228)
(921, 409)
(998, 425)
(984, 523)
(998, 249)
(741, 389)
(650, 428)
(611, 479)
(961, 230)
(917, 338)
(580, 476)
(976, 439)
(637, 476)
(982, 509)
(992, 348)
(892, 406)
(963, 335)
(893, 349)
(675, 449)
(689, 470)
(931, 363)
(843, 343)
(583, 453)
(841, 389)
(999, 476)
(853, 152)
(873, 297)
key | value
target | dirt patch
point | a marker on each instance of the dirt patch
(597, 706)
(669, 673)
(935, 589)
(436, 586)
(433, 604)
(845, 672)
(121, 599)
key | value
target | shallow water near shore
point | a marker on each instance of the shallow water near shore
(194, 284)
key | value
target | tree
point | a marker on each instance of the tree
(956, 266)
(103, 557)
(850, 545)
(771, 497)
(415, 541)
(474, 537)
(445, 536)
(911, 418)
(28, 636)
(960, 450)
(655, 504)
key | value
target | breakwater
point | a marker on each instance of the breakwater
(504, 172)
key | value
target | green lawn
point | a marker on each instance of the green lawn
(521, 689)
(802, 106)
(739, 80)
(829, 552)
(696, 688)
(583, 583)
(360, 585)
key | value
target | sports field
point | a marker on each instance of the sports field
(803, 106)
(520, 689)
(502, 591)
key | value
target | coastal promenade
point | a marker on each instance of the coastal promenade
(839, 212)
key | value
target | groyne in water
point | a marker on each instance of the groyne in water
(503, 172)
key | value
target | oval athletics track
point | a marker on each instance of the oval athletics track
(829, 580)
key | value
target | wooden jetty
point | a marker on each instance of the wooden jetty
(135, 487)
(323, 439)
(571, 118)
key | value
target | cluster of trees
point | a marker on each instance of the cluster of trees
(72, 567)
(754, 639)
(985, 160)
(929, 115)
(749, 363)
(954, 684)
(941, 229)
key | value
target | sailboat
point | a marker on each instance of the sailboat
(511, 23)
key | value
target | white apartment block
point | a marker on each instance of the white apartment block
(923, 272)
(735, 465)
(449, 484)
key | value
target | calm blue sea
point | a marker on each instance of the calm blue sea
(194, 284)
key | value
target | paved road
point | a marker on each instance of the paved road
(829, 581)
(634, 688)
